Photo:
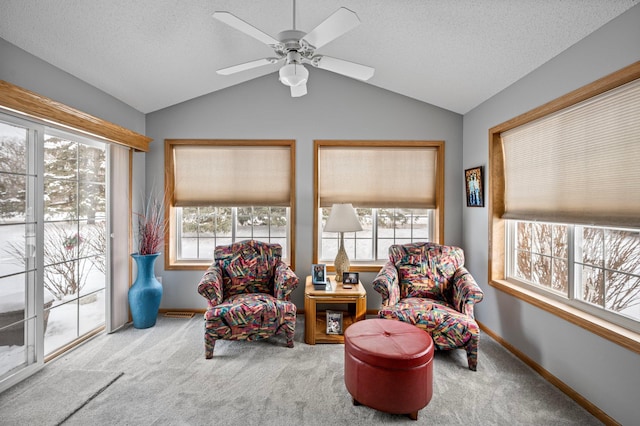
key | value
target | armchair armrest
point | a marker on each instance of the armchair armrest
(386, 283)
(210, 286)
(285, 281)
(466, 291)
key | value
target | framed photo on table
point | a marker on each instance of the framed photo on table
(334, 322)
(350, 278)
(319, 273)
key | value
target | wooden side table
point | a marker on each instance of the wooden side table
(315, 322)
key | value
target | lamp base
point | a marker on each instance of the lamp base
(342, 260)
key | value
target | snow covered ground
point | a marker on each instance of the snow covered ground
(68, 318)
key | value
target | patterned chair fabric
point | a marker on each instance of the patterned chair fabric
(427, 285)
(248, 289)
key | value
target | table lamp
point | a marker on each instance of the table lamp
(342, 219)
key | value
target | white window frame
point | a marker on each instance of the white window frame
(574, 287)
(374, 239)
(234, 237)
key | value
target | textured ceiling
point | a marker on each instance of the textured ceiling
(152, 54)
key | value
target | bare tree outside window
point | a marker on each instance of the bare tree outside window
(614, 281)
(542, 255)
(607, 271)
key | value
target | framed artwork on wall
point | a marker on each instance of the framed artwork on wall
(475, 187)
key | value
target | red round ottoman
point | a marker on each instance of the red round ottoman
(388, 366)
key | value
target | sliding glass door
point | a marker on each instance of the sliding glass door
(53, 242)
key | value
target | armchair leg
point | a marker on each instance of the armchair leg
(209, 345)
(289, 327)
(472, 352)
(290, 333)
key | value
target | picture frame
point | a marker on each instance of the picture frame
(350, 278)
(334, 322)
(319, 273)
(474, 184)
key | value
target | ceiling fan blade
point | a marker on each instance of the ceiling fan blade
(340, 66)
(240, 25)
(299, 90)
(342, 21)
(247, 66)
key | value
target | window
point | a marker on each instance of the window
(396, 188)
(603, 278)
(222, 191)
(203, 228)
(565, 207)
(381, 228)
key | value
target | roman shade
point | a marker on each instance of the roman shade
(578, 165)
(232, 175)
(378, 176)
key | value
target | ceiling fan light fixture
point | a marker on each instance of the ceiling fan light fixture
(293, 75)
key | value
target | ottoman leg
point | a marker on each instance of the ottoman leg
(355, 402)
(413, 416)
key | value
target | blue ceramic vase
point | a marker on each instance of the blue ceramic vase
(145, 293)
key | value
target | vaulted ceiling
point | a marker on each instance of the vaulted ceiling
(152, 54)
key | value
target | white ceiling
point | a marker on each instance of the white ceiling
(152, 54)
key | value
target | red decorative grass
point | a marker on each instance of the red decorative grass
(151, 226)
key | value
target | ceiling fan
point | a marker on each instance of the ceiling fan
(297, 48)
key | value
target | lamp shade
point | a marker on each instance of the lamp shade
(293, 75)
(342, 218)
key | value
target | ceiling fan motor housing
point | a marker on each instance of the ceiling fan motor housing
(291, 40)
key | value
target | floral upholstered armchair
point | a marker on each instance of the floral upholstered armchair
(248, 289)
(427, 285)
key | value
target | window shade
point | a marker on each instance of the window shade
(579, 165)
(120, 273)
(368, 176)
(214, 175)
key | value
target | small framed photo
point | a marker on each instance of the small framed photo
(334, 322)
(352, 278)
(319, 273)
(475, 187)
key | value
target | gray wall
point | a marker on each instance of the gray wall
(606, 374)
(335, 107)
(29, 72)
